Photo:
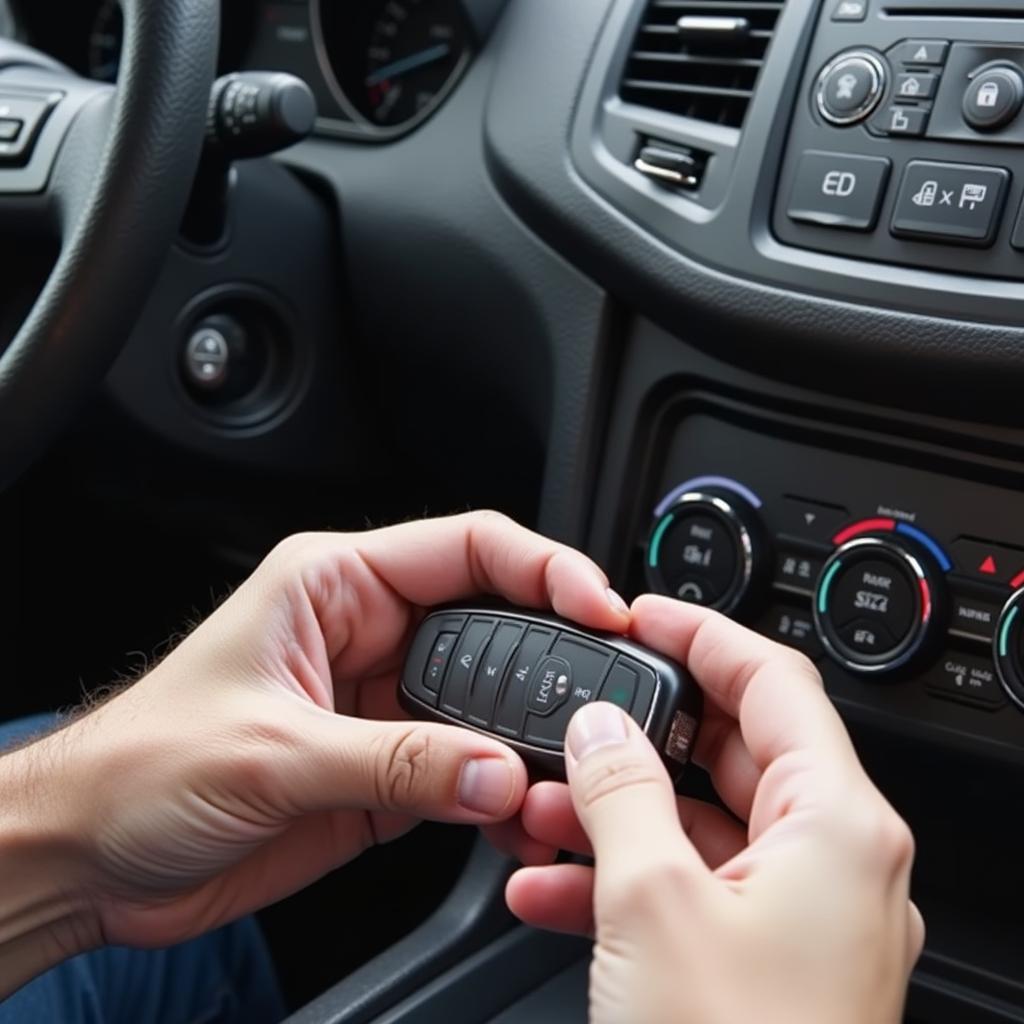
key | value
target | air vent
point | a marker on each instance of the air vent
(700, 58)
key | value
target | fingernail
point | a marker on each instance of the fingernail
(595, 726)
(616, 602)
(485, 785)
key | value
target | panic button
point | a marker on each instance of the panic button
(950, 202)
(838, 190)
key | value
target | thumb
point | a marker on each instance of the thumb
(624, 800)
(439, 772)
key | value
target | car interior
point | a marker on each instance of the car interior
(727, 293)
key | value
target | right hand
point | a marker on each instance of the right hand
(802, 918)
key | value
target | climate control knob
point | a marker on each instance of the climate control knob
(707, 548)
(877, 604)
(1008, 647)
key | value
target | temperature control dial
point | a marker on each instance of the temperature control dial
(706, 549)
(1008, 645)
(876, 604)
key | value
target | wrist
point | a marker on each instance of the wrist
(45, 913)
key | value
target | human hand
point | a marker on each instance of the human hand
(267, 748)
(802, 918)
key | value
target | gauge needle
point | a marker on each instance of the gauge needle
(410, 63)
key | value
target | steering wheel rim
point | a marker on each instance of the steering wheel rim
(116, 194)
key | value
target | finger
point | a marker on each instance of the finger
(438, 772)
(916, 933)
(549, 817)
(624, 800)
(559, 898)
(511, 838)
(720, 750)
(775, 693)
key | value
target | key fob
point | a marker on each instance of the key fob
(520, 675)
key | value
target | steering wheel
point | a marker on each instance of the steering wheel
(106, 172)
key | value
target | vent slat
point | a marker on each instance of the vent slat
(709, 78)
(694, 90)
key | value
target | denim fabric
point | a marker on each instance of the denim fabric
(225, 977)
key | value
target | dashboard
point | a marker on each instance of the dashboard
(730, 293)
(378, 69)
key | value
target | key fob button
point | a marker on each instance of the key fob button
(620, 686)
(491, 671)
(465, 659)
(550, 686)
(508, 717)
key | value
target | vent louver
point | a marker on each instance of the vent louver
(700, 58)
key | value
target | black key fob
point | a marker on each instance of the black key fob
(520, 675)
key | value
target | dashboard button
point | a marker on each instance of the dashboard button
(850, 10)
(812, 520)
(973, 618)
(916, 86)
(967, 678)
(993, 99)
(791, 626)
(849, 87)
(984, 561)
(797, 571)
(950, 202)
(923, 52)
(869, 638)
(909, 121)
(838, 190)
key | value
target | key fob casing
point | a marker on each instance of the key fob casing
(520, 675)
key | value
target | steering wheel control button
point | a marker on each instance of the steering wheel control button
(555, 669)
(702, 549)
(920, 52)
(993, 99)
(950, 202)
(511, 709)
(467, 657)
(207, 359)
(837, 190)
(850, 10)
(849, 87)
(489, 673)
(874, 606)
(1008, 648)
(966, 678)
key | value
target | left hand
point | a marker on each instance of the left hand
(268, 748)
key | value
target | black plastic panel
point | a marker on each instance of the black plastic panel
(948, 139)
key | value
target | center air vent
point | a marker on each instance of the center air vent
(700, 58)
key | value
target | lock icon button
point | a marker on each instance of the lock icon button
(993, 98)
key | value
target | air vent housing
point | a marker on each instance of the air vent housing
(700, 58)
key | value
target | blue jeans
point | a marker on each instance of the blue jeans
(225, 977)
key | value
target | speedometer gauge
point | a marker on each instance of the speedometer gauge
(105, 40)
(392, 60)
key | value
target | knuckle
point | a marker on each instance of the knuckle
(405, 769)
(646, 889)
